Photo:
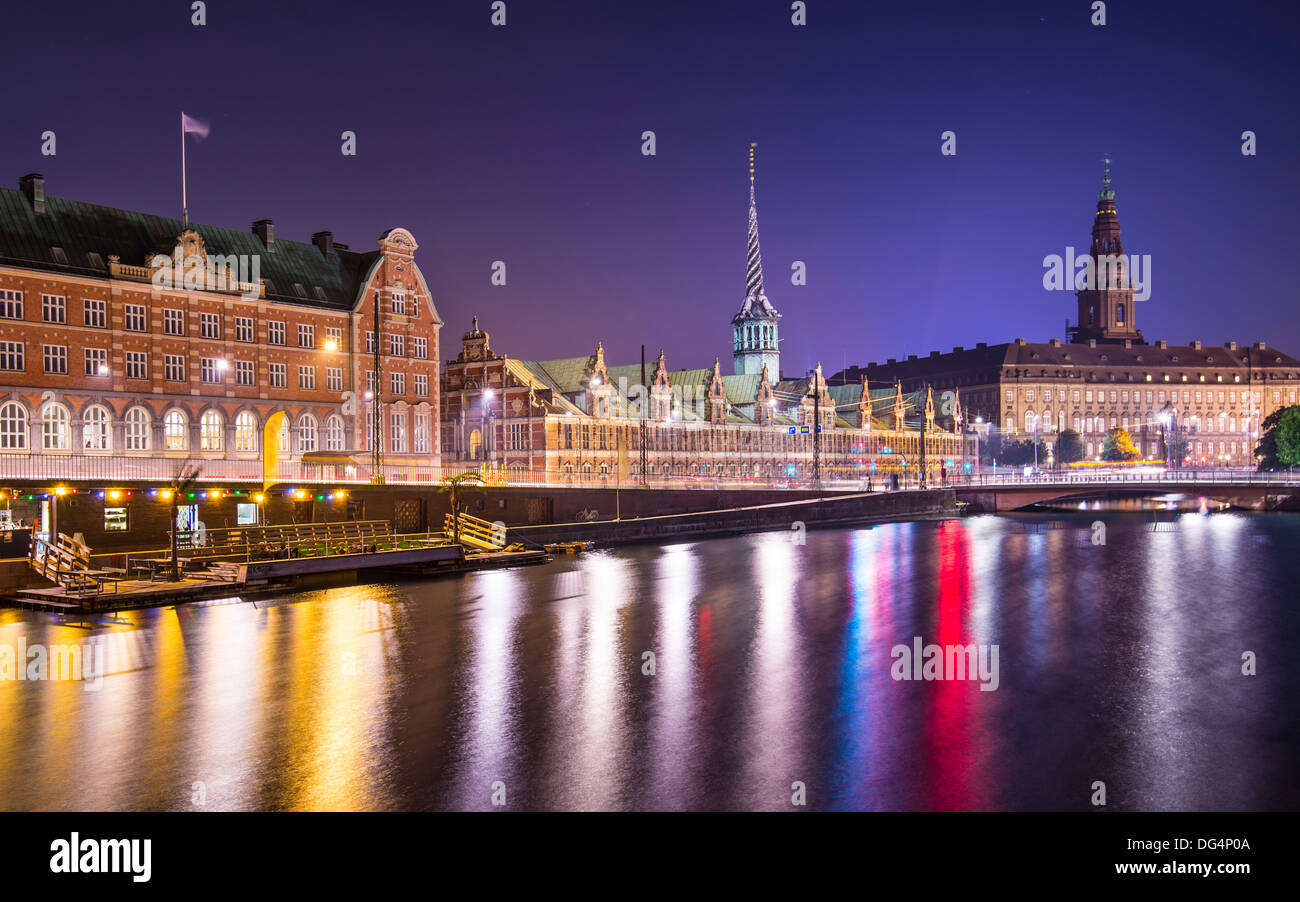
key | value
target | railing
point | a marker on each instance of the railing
(1104, 478)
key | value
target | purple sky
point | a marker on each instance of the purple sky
(522, 144)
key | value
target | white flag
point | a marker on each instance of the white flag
(194, 126)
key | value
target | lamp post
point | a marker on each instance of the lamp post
(377, 408)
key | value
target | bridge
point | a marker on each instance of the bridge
(1242, 489)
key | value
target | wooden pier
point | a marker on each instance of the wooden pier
(253, 560)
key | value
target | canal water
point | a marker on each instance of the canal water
(736, 673)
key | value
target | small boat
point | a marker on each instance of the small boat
(570, 547)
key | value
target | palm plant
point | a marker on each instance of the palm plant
(450, 486)
(185, 478)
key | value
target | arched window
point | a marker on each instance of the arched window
(13, 426)
(334, 433)
(137, 429)
(94, 429)
(1092, 315)
(175, 426)
(210, 430)
(306, 433)
(245, 431)
(54, 427)
(1031, 421)
(284, 437)
(1119, 311)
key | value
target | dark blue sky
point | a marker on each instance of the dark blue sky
(523, 143)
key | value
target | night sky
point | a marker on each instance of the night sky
(523, 144)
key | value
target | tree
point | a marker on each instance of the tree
(1069, 447)
(1118, 445)
(451, 486)
(187, 474)
(1021, 454)
(1279, 441)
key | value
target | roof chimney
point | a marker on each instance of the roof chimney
(1162, 345)
(1230, 345)
(33, 185)
(1055, 342)
(1196, 345)
(1021, 342)
(934, 353)
(1260, 346)
(265, 229)
(324, 241)
(1092, 342)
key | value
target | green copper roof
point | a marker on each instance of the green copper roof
(28, 239)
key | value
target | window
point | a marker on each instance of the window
(96, 361)
(397, 345)
(11, 355)
(210, 431)
(173, 322)
(245, 432)
(95, 312)
(1029, 395)
(397, 431)
(56, 358)
(306, 434)
(173, 367)
(421, 385)
(94, 429)
(209, 325)
(334, 433)
(246, 513)
(370, 382)
(134, 318)
(54, 428)
(11, 304)
(334, 334)
(398, 383)
(420, 347)
(1076, 396)
(54, 308)
(275, 333)
(243, 372)
(244, 328)
(399, 303)
(210, 369)
(306, 335)
(307, 378)
(276, 372)
(174, 428)
(116, 519)
(370, 342)
(137, 365)
(137, 429)
(420, 434)
(13, 426)
(334, 378)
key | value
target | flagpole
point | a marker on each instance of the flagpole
(185, 207)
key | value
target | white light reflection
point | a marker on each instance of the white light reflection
(670, 730)
(490, 688)
(771, 746)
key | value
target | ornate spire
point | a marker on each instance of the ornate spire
(1105, 225)
(756, 303)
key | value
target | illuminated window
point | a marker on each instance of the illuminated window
(174, 428)
(94, 429)
(210, 429)
(245, 432)
(54, 427)
(137, 429)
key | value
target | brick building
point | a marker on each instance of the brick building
(130, 342)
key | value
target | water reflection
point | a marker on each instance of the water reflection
(715, 674)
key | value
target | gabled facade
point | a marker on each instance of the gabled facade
(129, 341)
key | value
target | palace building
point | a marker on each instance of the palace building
(583, 420)
(1210, 398)
(130, 342)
